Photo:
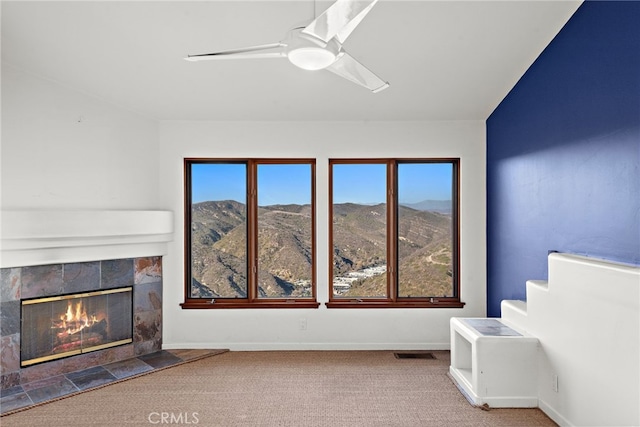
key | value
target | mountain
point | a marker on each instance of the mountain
(284, 250)
(441, 206)
(359, 237)
(219, 235)
(424, 250)
(218, 251)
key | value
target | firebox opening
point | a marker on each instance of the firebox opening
(67, 325)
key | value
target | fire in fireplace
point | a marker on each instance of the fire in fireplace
(66, 325)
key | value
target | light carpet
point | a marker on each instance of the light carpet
(283, 388)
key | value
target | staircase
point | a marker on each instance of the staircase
(586, 319)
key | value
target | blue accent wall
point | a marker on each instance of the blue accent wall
(563, 153)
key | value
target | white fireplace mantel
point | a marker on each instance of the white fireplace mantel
(39, 237)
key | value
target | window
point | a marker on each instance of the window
(249, 233)
(394, 233)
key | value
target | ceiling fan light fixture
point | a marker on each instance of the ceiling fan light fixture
(311, 58)
(318, 45)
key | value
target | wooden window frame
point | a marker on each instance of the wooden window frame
(393, 300)
(252, 300)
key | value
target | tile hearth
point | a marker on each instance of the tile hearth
(26, 395)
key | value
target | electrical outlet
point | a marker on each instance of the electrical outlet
(554, 383)
(303, 324)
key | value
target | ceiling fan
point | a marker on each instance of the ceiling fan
(318, 46)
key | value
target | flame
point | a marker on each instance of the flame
(75, 319)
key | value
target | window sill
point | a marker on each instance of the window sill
(352, 303)
(221, 304)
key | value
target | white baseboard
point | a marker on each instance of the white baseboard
(553, 414)
(253, 346)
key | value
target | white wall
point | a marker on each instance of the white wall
(62, 149)
(246, 329)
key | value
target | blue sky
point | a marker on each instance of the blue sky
(225, 181)
(355, 183)
(220, 181)
(424, 181)
(366, 183)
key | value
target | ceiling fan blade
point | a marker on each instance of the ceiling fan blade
(346, 66)
(273, 50)
(339, 20)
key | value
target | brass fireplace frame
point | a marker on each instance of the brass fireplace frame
(33, 361)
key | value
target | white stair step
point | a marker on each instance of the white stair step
(514, 314)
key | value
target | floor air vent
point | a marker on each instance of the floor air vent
(414, 355)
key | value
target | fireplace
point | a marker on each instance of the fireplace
(66, 325)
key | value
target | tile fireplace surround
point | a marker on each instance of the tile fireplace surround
(143, 274)
(46, 253)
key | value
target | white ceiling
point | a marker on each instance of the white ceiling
(445, 60)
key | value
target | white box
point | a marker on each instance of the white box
(494, 364)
